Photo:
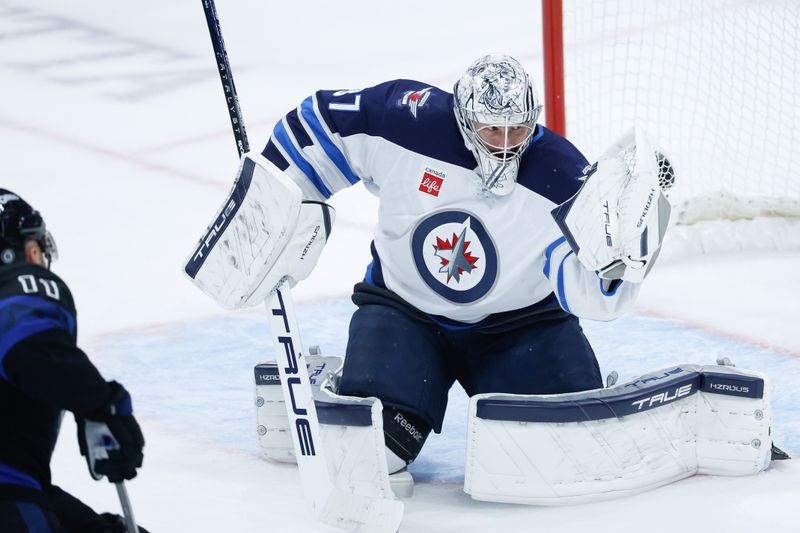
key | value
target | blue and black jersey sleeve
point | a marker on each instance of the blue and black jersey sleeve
(38, 351)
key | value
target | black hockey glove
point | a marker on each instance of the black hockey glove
(110, 438)
(109, 523)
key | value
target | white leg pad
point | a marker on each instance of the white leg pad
(352, 432)
(592, 445)
(272, 423)
(352, 429)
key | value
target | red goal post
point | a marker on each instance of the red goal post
(716, 83)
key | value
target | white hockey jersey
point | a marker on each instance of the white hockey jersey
(441, 244)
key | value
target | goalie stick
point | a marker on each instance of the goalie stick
(331, 505)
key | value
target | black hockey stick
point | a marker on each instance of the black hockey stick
(226, 77)
(306, 440)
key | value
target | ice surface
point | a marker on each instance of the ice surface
(113, 125)
(202, 370)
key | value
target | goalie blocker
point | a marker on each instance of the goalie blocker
(263, 232)
(661, 427)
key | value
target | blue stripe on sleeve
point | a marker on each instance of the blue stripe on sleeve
(12, 476)
(562, 297)
(613, 287)
(33, 517)
(368, 274)
(23, 316)
(336, 155)
(548, 253)
(298, 130)
(272, 153)
(283, 138)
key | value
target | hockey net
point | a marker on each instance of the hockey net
(714, 83)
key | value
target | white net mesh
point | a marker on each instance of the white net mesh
(715, 83)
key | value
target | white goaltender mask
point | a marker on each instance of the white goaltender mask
(496, 108)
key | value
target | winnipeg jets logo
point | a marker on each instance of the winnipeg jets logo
(415, 100)
(455, 255)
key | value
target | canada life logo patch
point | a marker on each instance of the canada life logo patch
(455, 256)
(432, 181)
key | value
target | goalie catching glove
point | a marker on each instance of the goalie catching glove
(616, 222)
(263, 233)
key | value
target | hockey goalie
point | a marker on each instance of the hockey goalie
(494, 236)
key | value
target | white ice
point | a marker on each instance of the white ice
(114, 126)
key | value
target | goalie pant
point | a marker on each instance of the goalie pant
(409, 361)
(42, 372)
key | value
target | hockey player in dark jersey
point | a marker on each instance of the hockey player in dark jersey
(42, 374)
(472, 279)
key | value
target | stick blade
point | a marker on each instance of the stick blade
(364, 514)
